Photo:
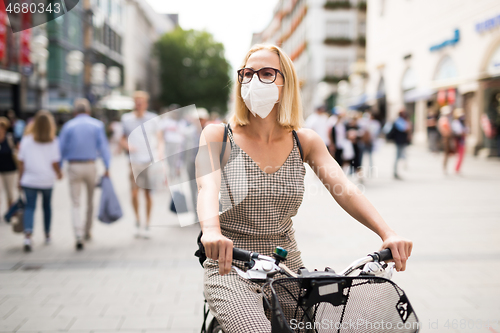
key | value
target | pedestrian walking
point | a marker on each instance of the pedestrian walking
(8, 167)
(172, 135)
(140, 158)
(459, 132)
(401, 134)
(39, 159)
(116, 129)
(338, 137)
(17, 125)
(267, 151)
(318, 122)
(353, 135)
(432, 131)
(199, 120)
(370, 137)
(83, 140)
(444, 127)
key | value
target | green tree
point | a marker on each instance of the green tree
(193, 70)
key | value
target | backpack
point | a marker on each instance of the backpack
(391, 135)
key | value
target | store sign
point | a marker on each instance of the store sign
(448, 42)
(24, 48)
(488, 24)
(9, 77)
(494, 64)
(448, 96)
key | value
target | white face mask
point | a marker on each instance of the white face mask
(260, 97)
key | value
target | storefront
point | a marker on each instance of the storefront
(490, 92)
(9, 90)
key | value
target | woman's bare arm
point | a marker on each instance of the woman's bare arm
(208, 178)
(350, 198)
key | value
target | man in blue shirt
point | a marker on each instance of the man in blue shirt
(82, 141)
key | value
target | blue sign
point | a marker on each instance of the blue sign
(488, 24)
(449, 42)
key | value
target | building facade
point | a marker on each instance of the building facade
(323, 38)
(425, 54)
(15, 65)
(115, 38)
(144, 27)
(65, 34)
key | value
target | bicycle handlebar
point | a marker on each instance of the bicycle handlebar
(241, 255)
(384, 255)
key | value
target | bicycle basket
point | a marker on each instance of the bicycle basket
(339, 304)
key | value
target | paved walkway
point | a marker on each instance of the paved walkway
(122, 284)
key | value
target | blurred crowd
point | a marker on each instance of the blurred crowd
(33, 155)
(352, 137)
(349, 136)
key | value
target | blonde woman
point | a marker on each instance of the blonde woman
(39, 159)
(263, 172)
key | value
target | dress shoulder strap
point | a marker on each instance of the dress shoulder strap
(298, 144)
(227, 128)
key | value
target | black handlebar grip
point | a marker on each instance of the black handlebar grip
(241, 255)
(384, 255)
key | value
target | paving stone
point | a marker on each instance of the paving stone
(122, 284)
(96, 322)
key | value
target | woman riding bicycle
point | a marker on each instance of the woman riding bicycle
(262, 176)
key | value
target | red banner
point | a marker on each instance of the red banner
(24, 56)
(3, 30)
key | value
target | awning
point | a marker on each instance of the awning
(418, 94)
(116, 102)
(359, 103)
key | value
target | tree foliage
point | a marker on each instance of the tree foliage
(193, 70)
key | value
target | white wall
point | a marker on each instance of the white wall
(412, 27)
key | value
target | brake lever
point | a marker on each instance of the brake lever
(377, 269)
(261, 270)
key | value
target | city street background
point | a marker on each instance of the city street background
(360, 65)
(123, 284)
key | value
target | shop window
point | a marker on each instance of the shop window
(337, 67)
(362, 28)
(409, 80)
(494, 63)
(338, 29)
(446, 69)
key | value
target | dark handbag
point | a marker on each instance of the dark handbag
(391, 136)
(180, 205)
(18, 225)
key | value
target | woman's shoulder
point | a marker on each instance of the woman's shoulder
(308, 137)
(214, 132)
(27, 138)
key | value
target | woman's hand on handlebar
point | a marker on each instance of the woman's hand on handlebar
(218, 247)
(400, 248)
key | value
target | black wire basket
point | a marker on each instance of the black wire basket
(361, 304)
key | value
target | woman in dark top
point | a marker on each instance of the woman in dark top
(8, 168)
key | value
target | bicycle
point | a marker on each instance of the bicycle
(361, 298)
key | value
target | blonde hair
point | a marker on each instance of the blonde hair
(43, 127)
(290, 105)
(5, 122)
(141, 93)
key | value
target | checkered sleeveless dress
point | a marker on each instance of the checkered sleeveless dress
(257, 208)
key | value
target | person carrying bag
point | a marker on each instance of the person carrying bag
(109, 209)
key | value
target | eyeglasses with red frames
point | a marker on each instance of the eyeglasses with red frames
(265, 74)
